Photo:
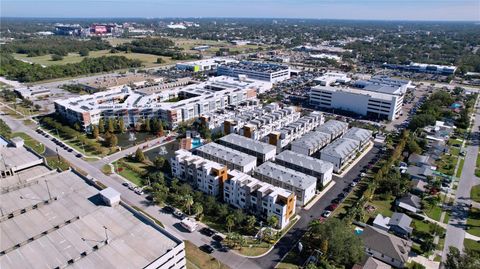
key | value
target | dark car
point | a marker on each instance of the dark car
(336, 201)
(79, 155)
(207, 248)
(69, 150)
(207, 231)
(168, 209)
(341, 195)
(217, 238)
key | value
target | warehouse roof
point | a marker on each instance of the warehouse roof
(287, 175)
(305, 161)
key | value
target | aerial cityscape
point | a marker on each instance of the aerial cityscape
(219, 134)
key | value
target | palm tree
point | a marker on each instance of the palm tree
(198, 209)
(188, 202)
(230, 222)
(272, 221)
(251, 220)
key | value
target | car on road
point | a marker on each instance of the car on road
(178, 214)
(341, 195)
(207, 231)
(353, 184)
(326, 213)
(125, 184)
(168, 209)
(217, 238)
(207, 248)
(336, 201)
(363, 174)
(138, 191)
(332, 207)
(356, 180)
(69, 150)
(79, 155)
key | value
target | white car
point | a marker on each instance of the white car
(353, 184)
(326, 213)
(363, 174)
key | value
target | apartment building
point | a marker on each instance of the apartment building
(262, 151)
(255, 70)
(304, 186)
(196, 100)
(334, 128)
(363, 136)
(260, 198)
(284, 136)
(340, 152)
(206, 175)
(232, 158)
(310, 143)
(317, 168)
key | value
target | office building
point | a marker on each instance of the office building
(206, 175)
(284, 136)
(310, 143)
(260, 198)
(363, 136)
(340, 152)
(255, 70)
(204, 65)
(445, 70)
(233, 159)
(59, 220)
(262, 151)
(333, 128)
(331, 77)
(196, 100)
(304, 186)
(33, 92)
(321, 170)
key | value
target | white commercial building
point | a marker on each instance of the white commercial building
(204, 65)
(322, 170)
(331, 77)
(206, 175)
(197, 100)
(310, 143)
(304, 186)
(380, 97)
(260, 198)
(232, 158)
(33, 92)
(340, 152)
(255, 70)
(262, 151)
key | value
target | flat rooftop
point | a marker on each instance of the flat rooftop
(59, 220)
(286, 175)
(12, 157)
(227, 154)
(304, 161)
(257, 66)
(247, 143)
(372, 94)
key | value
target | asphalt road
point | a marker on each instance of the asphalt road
(296, 232)
(457, 223)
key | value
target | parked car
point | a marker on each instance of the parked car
(353, 184)
(178, 214)
(79, 155)
(207, 231)
(125, 184)
(217, 238)
(326, 213)
(168, 209)
(207, 248)
(332, 207)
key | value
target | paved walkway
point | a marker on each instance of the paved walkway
(471, 236)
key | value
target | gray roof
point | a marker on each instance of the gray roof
(305, 161)
(416, 158)
(341, 147)
(372, 263)
(419, 171)
(332, 126)
(358, 134)
(227, 154)
(287, 175)
(385, 243)
(312, 139)
(401, 220)
(75, 223)
(248, 143)
(411, 200)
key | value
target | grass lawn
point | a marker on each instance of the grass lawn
(447, 217)
(478, 160)
(291, 261)
(128, 173)
(55, 163)
(199, 259)
(254, 249)
(446, 164)
(46, 60)
(473, 221)
(421, 226)
(381, 207)
(31, 143)
(460, 167)
(471, 245)
(475, 193)
(435, 212)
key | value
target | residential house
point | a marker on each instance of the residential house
(400, 224)
(409, 202)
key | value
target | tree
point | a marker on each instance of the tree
(147, 126)
(121, 125)
(198, 209)
(272, 221)
(160, 60)
(84, 52)
(188, 202)
(413, 147)
(56, 57)
(221, 210)
(469, 260)
(139, 156)
(230, 222)
(113, 141)
(110, 126)
(95, 131)
(159, 162)
(101, 125)
(250, 222)
(160, 194)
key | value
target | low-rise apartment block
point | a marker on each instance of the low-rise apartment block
(321, 170)
(340, 152)
(310, 143)
(260, 198)
(262, 151)
(334, 128)
(208, 176)
(232, 158)
(304, 186)
(363, 136)
(255, 70)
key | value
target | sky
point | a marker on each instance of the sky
(448, 10)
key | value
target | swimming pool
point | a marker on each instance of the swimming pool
(196, 142)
